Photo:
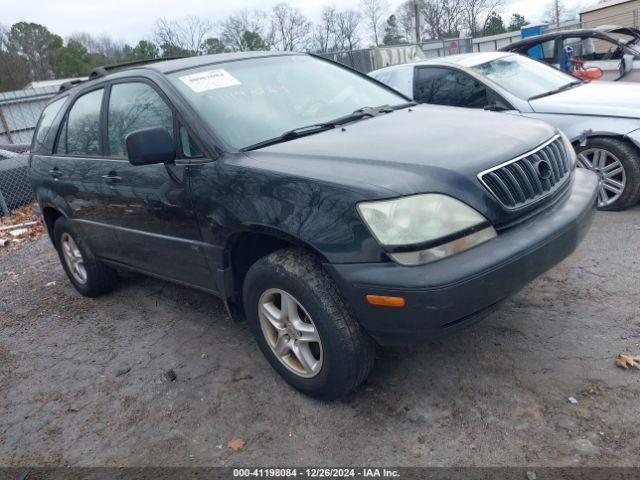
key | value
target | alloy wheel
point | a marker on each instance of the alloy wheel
(610, 170)
(290, 332)
(73, 258)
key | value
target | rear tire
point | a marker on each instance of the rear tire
(605, 156)
(343, 354)
(88, 275)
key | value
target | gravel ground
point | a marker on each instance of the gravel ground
(83, 382)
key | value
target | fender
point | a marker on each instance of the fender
(579, 127)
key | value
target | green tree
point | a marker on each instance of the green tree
(494, 25)
(144, 50)
(37, 45)
(392, 34)
(252, 41)
(213, 45)
(14, 68)
(517, 22)
(73, 60)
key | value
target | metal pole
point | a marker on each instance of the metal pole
(557, 5)
(3, 205)
(5, 125)
(416, 14)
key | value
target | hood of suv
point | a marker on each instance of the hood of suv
(609, 99)
(412, 150)
(423, 149)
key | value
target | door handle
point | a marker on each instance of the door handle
(112, 178)
(55, 172)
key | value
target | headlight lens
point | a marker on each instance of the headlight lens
(569, 148)
(445, 225)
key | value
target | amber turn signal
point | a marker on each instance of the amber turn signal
(385, 301)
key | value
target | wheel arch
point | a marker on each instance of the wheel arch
(50, 213)
(245, 248)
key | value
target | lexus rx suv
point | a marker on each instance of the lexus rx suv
(321, 206)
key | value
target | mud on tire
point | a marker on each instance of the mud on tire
(348, 352)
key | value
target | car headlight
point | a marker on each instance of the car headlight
(424, 228)
(569, 148)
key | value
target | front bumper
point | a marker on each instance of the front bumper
(444, 296)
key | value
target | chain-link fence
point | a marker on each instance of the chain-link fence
(15, 187)
(19, 113)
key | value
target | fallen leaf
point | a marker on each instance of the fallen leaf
(236, 444)
(626, 361)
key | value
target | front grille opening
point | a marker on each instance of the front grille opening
(529, 178)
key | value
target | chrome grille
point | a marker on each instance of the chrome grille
(531, 177)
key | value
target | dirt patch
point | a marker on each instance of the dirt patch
(83, 380)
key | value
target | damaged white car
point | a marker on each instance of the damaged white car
(602, 119)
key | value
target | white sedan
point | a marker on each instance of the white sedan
(601, 118)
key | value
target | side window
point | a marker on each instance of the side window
(580, 48)
(133, 106)
(41, 134)
(189, 147)
(443, 86)
(80, 133)
(544, 51)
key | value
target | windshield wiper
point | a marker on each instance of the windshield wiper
(321, 127)
(566, 86)
(291, 134)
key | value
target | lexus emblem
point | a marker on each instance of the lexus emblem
(544, 169)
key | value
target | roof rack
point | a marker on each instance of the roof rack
(101, 71)
(107, 69)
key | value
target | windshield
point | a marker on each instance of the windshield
(523, 77)
(251, 101)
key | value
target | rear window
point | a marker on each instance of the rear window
(80, 134)
(42, 142)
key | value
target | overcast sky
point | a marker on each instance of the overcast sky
(131, 20)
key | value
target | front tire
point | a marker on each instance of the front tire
(88, 275)
(303, 326)
(617, 163)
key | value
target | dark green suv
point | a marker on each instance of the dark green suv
(321, 206)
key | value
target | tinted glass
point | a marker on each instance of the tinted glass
(81, 133)
(547, 51)
(189, 147)
(442, 86)
(250, 101)
(133, 106)
(42, 142)
(524, 77)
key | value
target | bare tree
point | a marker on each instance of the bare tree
(324, 32)
(405, 14)
(476, 13)
(180, 37)
(290, 29)
(235, 28)
(375, 12)
(442, 18)
(557, 12)
(347, 30)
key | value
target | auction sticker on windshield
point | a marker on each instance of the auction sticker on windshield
(209, 80)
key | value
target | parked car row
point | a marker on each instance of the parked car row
(614, 51)
(325, 208)
(601, 119)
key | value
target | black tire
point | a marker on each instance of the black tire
(348, 352)
(629, 157)
(101, 279)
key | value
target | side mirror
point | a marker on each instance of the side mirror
(150, 146)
